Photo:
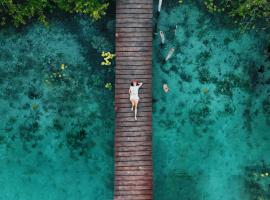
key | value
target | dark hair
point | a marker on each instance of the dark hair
(132, 83)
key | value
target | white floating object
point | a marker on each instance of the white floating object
(169, 55)
(165, 88)
(162, 36)
(159, 5)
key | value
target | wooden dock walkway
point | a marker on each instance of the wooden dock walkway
(133, 139)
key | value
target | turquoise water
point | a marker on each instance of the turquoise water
(211, 130)
(57, 118)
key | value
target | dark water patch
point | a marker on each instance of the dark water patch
(79, 144)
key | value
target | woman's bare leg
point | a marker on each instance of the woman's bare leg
(136, 105)
(132, 104)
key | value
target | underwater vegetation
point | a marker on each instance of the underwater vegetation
(248, 14)
(79, 143)
(20, 12)
(107, 58)
(257, 181)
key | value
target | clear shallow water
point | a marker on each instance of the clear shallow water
(211, 130)
(211, 136)
(57, 119)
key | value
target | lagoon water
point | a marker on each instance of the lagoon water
(211, 130)
(57, 118)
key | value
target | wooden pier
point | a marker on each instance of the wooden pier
(133, 139)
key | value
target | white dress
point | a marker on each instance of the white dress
(134, 92)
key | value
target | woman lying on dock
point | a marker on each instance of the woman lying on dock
(134, 95)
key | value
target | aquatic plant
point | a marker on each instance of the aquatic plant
(198, 115)
(108, 86)
(9, 126)
(78, 143)
(185, 77)
(34, 93)
(107, 56)
(229, 82)
(247, 13)
(34, 106)
(203, 57)
(57, 74)
(257, 181)
(224, 87)
(20, 12)
(229, 109)
(204, 75)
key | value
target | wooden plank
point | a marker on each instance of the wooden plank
(133, 54)
(133, 49)
(130, 173)
(134, 2)
(134, 44)
(135, 153)
(128, 23)
(143, 187)
(127, 81)
(134, 10)
(133, 72)
(134, 16)
(128, 105)
(130, 114)
(126, 100)
(143, 91)
(133, 134)
(140, 109)
(132, 77)
(133, 192)
(132, 30)
(137, 168)
(133, 5)
(133, 178)
(138, 35)
(125, 94)
(133, 139)
(130, 149)
(133, 197)
(132, 20)
(133, 144)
